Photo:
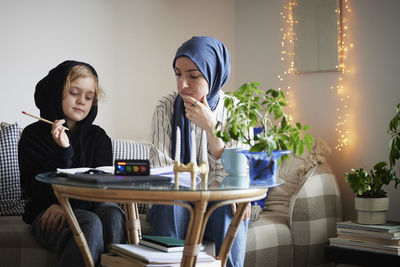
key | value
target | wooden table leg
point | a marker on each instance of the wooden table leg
(132, 222)
(76, 229)
(231, 233)
(194, 232)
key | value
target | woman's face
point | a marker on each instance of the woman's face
(189, 79)
(78, 99)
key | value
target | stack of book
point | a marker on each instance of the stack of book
(382, 238)
(156, 251)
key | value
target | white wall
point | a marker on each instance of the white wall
(373, 86)
(130, 43)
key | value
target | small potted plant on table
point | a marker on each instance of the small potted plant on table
(276, 135)
(371, 200)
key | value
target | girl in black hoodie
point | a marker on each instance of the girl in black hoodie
(68, 95)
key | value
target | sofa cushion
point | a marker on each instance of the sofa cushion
(19, 248)
(127, 149)
(295, 172)
(10, 190)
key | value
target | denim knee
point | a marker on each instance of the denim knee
(216, 229)
(92, 228)
(169, 220)
(112, 218)
(69, 253)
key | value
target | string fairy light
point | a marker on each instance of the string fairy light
(344, 45)
(287, 51)
(287, 57)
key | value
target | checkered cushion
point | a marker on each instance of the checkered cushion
(18, 248)
(10, 191)
(295, 172)
(126, 149)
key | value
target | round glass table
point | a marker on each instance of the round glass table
(231, 190)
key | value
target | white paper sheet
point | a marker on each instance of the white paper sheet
(155, 256)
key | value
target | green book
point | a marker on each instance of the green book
(164, 243)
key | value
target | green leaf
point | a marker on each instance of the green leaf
(308, 144)
(282, 145)
(234, 128)
(301, 148)
(283, 123)
(310, 138)
(225, 137)
(282, 94)
(257, 148)
(274, 93)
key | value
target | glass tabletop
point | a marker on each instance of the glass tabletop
(229, 183)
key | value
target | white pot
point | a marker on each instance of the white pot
(371, 210)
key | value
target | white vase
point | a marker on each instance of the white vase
(371, 210)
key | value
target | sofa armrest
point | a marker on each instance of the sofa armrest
(313, 213)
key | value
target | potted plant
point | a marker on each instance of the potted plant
(371, 200)
(276, 135)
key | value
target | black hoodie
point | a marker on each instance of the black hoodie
(38, 152)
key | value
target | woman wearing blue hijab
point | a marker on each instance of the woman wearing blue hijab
(202, 67)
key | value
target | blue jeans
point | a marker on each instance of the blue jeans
(168, 220)
(101, 226)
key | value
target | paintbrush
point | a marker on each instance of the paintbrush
(49, 122)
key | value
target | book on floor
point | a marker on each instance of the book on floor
(388, 227)
(154, 256)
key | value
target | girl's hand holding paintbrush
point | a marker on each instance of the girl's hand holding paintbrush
(58, 133)
(57, 130)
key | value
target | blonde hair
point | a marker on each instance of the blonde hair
(83, 71)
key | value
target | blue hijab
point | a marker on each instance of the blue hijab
(213, 61)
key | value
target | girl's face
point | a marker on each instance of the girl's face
(78, 99)
(189, 79)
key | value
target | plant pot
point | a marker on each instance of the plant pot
(263, 168)
(371, 210)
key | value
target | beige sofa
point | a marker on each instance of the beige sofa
(293, 228)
